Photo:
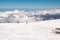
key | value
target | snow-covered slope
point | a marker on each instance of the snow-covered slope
(23, 16)
(41, 30)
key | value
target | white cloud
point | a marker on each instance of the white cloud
(23, 16)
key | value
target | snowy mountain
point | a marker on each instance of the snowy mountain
(22, 25)
(41, 30)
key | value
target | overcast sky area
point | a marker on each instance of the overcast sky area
(31, 4)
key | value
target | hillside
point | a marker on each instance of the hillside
(41, 30)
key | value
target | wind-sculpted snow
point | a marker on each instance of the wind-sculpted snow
(23, 16)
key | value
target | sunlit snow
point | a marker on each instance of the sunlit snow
(41, 30)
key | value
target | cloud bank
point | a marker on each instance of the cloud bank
(23, 16)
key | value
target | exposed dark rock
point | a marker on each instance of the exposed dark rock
(56, 30)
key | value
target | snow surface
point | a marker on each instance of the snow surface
(41, 30)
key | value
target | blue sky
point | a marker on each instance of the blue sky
(32, 4)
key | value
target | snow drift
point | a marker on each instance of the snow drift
(23, 16)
